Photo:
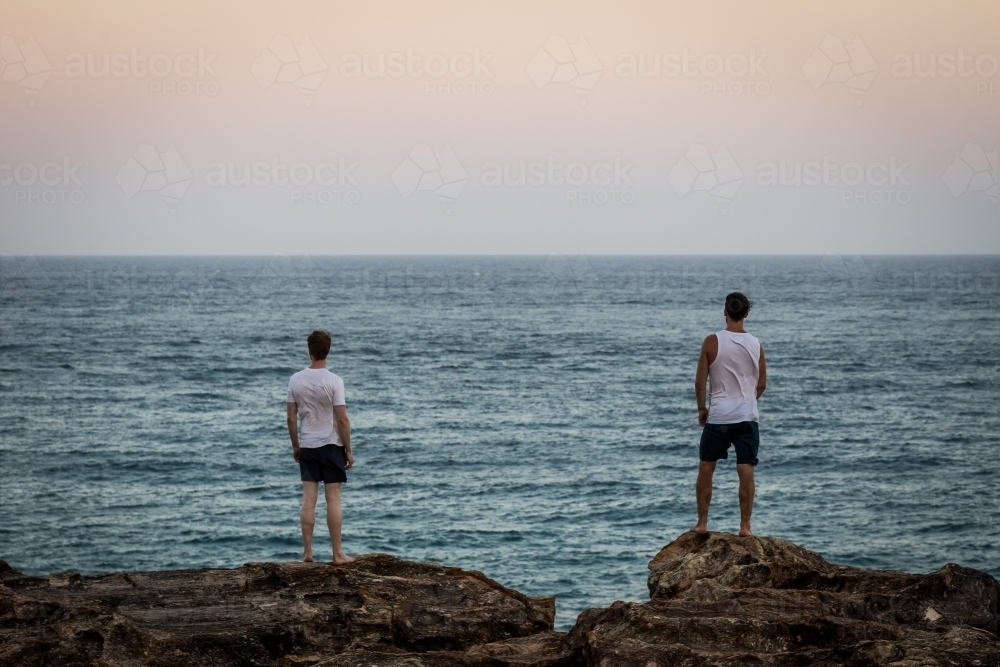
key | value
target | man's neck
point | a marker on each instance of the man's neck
(318, 364)
(735, 327)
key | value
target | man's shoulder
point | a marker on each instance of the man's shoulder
(328, 376)
(316, 376)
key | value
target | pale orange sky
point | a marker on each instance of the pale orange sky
(517, 112)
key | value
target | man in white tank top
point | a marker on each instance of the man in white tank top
(733, 362)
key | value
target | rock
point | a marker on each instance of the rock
(714, 600)
(721, 600)
(293, 614)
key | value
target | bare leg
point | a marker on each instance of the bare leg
(703, 493)
(747, 488)
(334, 519)
(307, 516)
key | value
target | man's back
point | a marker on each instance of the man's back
(315, 392)
(733, 375)
(733, 361)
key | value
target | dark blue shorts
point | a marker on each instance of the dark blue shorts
(323, 464)
(716, 438)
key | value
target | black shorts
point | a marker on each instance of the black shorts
(323, 464)
(716, 438)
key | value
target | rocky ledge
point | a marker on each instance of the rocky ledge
(714, 600)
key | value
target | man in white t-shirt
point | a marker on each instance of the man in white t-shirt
(321, 442)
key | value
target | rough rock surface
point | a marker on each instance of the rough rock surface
(726, 600)
(377, 610)
(715, 600)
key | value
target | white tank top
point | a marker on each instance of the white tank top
(733, 379)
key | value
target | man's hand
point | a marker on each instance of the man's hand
(344, 431)
(709, 351)
(292, 417)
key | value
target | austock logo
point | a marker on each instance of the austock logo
(701, 171)
(559, 278)
(974, 170)
(282, 273)
(949, 65)
(23, 64)
(423, 170)
(284, 62)
(148, 170)
(182, 75)
(876, 182)
(17, 275)
(839, 275)
(835, 62)
(559, 62)
(601, 182)
(327, 182)
(731, 74)
(458, 74)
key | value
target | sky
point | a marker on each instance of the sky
(389, 127)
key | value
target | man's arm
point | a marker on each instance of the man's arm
(344, 429)
(762, 376)
(293, 428)
(709, 350)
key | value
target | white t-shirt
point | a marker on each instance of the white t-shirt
(315, 391)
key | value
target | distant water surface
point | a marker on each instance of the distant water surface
(532, 418)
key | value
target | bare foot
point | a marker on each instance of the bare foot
(342, 559)
(700, 529)
(745, 532)
(308, 558)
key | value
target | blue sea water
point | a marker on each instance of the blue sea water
(532, 418)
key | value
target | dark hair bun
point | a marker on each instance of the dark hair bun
(737, 305)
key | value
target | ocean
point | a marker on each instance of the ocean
(532, 418)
